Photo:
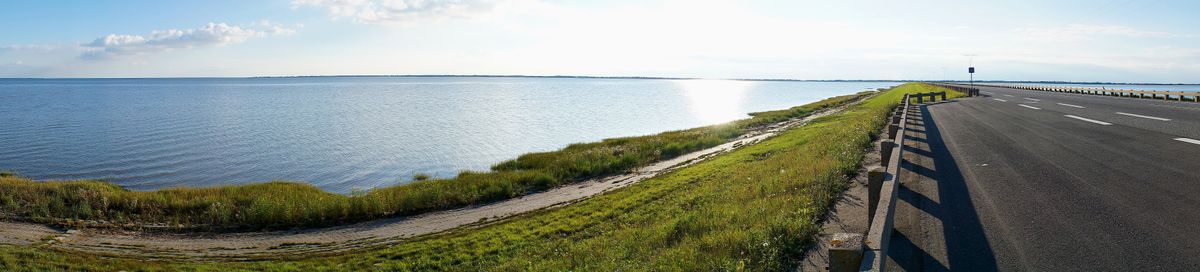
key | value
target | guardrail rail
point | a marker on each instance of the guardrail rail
(970, 91)
(1163, 95)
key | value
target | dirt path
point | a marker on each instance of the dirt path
(257, 245)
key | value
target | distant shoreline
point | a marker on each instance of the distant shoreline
(604, 77)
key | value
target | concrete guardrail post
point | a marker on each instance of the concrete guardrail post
(845, 252)
(874, 183)
(885, 149)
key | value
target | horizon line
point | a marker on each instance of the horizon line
(615, 77)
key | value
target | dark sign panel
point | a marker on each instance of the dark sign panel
(971, 70)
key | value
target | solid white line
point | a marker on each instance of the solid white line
(1069, 105)
(1001, 100)
(1028, 106)
(1033, 99)
(1143, 116)
(1186, 140)
(1089, 120)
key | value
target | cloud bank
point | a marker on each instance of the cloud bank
(212, 34)
(390, 12)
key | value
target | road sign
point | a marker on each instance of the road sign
(971, 70)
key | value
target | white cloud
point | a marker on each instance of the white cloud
(389, 12)
(1075, 32)
(212, 34)
(29, 47)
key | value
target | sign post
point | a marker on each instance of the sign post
(971, 70)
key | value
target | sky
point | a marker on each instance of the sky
(1110, 41)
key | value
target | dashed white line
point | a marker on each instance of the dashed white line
(1143, 116)
(1186, 140)
(1069, 105)
(1089, 120)
(1001, 100)
(1008, 95)
(1034, 99)
(1028, 106)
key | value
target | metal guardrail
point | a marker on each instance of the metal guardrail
(1165, 95)
(852, 251)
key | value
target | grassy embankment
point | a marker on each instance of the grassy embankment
(281, 204)
(753, 209)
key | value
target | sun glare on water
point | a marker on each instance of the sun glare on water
(715, 101)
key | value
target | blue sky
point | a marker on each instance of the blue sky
(1011, 40)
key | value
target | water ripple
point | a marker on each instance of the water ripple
(343, 133)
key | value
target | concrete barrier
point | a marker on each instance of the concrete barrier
(870, 254)
(966, 90)
(875, 243)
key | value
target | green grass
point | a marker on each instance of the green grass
(282, 204)
(754, 209)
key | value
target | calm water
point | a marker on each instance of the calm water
(345, 133)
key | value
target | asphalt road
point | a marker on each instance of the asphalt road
(1021, 180)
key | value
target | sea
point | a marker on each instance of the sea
(347, 133)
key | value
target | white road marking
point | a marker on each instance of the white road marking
(1069, 105)
(1143, 116)
(1001, 100)
(1186, 140)
(1089, 120)
(1033, 99)
(1008, 95)
(1028, 106)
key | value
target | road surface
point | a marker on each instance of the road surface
(1020, 180)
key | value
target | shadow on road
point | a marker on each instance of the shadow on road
(937, 226)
